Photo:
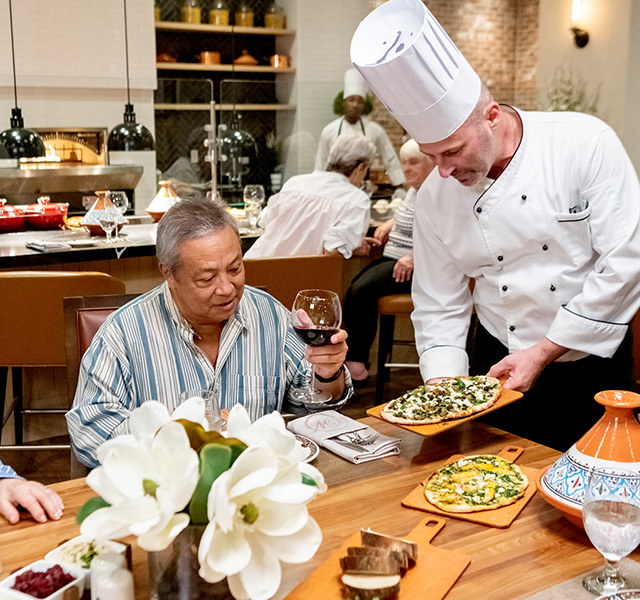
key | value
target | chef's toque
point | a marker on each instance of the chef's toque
(415, 69)
(354, 84)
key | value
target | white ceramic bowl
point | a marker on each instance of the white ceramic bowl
(61, 554)
(7, 593)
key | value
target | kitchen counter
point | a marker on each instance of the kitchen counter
(137, 240)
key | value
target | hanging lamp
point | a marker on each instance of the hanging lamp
(19, 142)
(129, 136)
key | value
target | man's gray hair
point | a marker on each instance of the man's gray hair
(349, 151)
(189, 219)
(410, 149)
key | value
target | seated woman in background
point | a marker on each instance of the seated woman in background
(323, 211)
(390, 274)
(38, 499)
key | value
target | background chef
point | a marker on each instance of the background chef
(352, 122)
(540, 209)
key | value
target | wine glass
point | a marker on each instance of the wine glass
(611, 517)
(316, 316)
(211, 407)
(121, 202)
(108, 219)
(253, 196)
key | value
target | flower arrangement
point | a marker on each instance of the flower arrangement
(568, 91)
(248, 488)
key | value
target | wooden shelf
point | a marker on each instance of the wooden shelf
(171, 66)
(238, 107)
(205, 28)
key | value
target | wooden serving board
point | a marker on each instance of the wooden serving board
(506, 397)
(498, 517)
(434, 574)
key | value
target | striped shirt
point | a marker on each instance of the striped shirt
(401, 236)
(146, 351)
(6, 472)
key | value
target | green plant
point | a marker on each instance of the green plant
(568, 91)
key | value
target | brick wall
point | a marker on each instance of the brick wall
(498, 38)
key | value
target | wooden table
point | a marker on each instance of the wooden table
(539, 550)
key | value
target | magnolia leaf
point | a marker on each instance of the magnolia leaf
(215, 459)
(308, 480)
(90, 506)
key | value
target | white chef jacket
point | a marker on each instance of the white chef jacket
(553, 245)
(371, 130)
(311, 213)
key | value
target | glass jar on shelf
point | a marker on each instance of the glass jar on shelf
(157, 16)
(219, 13)
(274, 17)
(244, 14)
(191, 12)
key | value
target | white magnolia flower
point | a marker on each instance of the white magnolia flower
(146, 482)
(257, 517)
(145, 421)
(271, 429)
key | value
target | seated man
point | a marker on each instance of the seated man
(323, 211)
(200, 329)
(38, 499)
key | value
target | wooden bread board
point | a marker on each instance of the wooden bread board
(498, 517)
(506, 397)
(436, 571)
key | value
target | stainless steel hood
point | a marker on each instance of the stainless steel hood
(33, 181)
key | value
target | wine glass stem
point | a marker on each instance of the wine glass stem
(611, 573)
(312, 381)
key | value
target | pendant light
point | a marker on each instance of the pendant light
(129, 136)
(19, 142)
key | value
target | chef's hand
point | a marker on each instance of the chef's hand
(382, 231)
(403, 268)
(523, 367)
(38, 499)
(364, 248)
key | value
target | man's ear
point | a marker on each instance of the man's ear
(492, 114)
(164, 271)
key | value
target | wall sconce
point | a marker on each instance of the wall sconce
(580, 36)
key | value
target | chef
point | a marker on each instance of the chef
(540, 209)
(355, 90)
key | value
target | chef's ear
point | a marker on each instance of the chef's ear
(493, 113)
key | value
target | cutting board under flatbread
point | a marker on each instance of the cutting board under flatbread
(498, 517)
(435, 573)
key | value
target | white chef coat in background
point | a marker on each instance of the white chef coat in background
(553, 245)
(311, 213)
(370, 129)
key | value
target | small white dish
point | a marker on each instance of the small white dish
(70, 553)
(81, 243)
(7, 593)
(308, 446)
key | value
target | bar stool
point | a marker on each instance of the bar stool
(32, 331)
(390, 307)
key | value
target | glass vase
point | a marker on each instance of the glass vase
(173, 573)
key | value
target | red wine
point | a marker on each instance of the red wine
(315, 337)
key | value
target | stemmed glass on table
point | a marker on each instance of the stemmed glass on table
(211, 407)
(611, 517)
(316, 316)
(253, 197)
(108, 218)
(121, 203)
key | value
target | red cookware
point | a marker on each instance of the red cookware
(45, 215)
(11, 217)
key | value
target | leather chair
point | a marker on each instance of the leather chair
(390, 307)
(83, 316)
(284, 277)
(32, 331)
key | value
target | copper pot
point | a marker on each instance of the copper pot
(279, 61)
(209, 58)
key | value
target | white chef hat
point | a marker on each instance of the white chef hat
(415, 69)
(354, 84)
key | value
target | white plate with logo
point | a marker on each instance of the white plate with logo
(308, 446)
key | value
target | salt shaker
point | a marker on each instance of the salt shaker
(104, 570)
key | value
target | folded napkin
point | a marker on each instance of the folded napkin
(47, 246)
(345, 437)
